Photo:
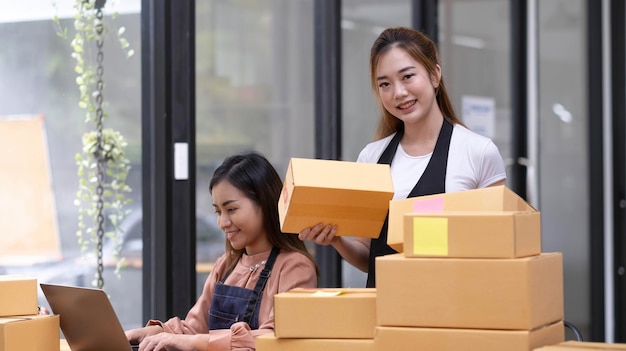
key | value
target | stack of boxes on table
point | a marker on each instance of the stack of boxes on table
(470, 274)
(21, 327)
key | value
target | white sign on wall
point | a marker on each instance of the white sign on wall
(479, 114)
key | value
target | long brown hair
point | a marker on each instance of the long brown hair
(422, 49)
(255, 176)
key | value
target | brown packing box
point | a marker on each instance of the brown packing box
(497, 198)
(325, 313)
(583, 346)
(30, 333)
(18, 295)
(448, 339)
(493, 293)
(354, 196)
(475, 234)
(269, 342)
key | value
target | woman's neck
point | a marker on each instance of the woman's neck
(258, 248)
(420, 138)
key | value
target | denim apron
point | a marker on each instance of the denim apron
(233, 304)
(433, 181)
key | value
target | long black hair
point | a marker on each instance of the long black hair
(255, 176)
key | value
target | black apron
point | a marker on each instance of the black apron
(433, 181)
(233, 304)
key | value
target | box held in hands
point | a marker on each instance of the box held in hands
(351, 195)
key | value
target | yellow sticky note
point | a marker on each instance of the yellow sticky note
(430, 236)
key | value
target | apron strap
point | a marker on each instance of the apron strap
(432, 181)
(255, 298)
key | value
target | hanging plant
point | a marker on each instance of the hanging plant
(102, 165)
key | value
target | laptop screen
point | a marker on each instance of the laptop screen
(88, 320)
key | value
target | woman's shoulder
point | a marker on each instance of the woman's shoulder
(294, 260)
(465, 141)
(220, 265)
(467, 135)
(291, 256)
(372, 151)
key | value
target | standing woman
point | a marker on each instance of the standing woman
(419, 135)
(237, 302)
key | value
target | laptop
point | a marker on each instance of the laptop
(87, 318)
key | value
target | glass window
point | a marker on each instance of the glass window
(474, 43)
(563, 153)
(38, 78)
(254, 90)
(361, 23)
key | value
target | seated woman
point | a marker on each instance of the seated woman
(237, 302)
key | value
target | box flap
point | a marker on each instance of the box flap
(331, 292)
(341, 174)
(496, 198)
(15, 277)
(13, 319)
(353, 196)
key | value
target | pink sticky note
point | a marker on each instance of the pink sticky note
(428, 205)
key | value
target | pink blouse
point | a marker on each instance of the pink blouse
(291, 270)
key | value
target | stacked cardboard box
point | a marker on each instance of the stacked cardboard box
(583, 346)
(322, 319)
(21, 328)
(470, 275)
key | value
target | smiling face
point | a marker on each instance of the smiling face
(240, 218)
(405, 87)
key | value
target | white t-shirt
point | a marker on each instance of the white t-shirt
(474, 161)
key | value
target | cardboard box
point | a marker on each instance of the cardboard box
(518, 293)
(18, 295)
(447, 339)
(353, 196)
(30, 333)
(497, 198)
(476, 234)
(583, 346)
(325, 313)
(269, 342)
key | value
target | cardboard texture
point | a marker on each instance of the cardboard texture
(339, 313)
(478, 234)
(30, 333)
(511, 294)
(497, 198)
(447, 339)
(354, 196)
(583, 346)
(18, 295)
(269, 342)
